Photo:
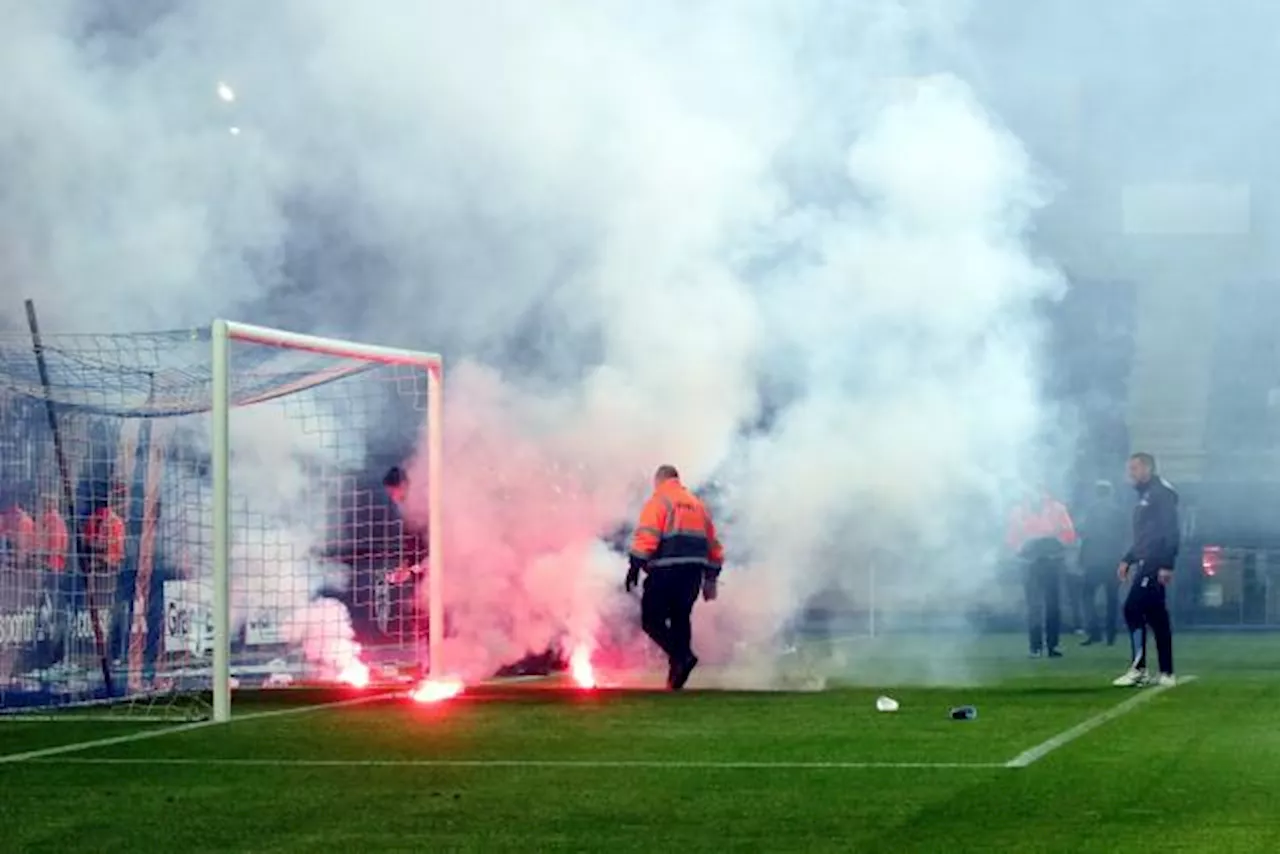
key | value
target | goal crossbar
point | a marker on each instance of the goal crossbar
(223, 332)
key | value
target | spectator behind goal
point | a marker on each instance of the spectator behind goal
(53, 545)
(20, 535)
(410, 553)
(104, 551)
(53, 540)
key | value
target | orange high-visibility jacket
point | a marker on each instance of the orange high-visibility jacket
(675, 530)
(104, 533)
(1048, 520)
(21, 530)
(53, 540)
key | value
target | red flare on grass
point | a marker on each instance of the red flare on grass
(436, 690)
(584, 676)
(355, 674)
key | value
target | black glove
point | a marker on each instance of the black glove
(709, 584)
(633, 573)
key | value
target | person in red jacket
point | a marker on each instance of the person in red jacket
(20, 532)
(53, 541)
(53, 545)
(1040, 532)
(676, 546)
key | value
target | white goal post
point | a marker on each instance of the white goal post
(225, 332)
(188, 511)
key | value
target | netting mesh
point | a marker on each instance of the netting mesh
(105, 481)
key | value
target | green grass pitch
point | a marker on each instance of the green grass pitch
(547, 768)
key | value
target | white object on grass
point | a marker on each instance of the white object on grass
(886, 704)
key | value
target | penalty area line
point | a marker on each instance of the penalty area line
(514, 764)
(1062, 739)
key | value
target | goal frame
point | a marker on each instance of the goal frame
(223, 332)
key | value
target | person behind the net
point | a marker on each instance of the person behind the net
(1040, 533)
(676, 547)
(104, 553)
(1104, 536)
(407, 544)
(21, 578)
(53, 543)
(1148, 566)
(20, 536)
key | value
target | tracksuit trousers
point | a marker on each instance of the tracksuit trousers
(1145, 607)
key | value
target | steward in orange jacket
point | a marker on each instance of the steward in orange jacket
(675, 544)
(1040, 532)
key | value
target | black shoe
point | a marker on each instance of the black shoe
(1088, 641)
(680, 675)
(1055, 653)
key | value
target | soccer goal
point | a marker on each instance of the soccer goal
(188, 512)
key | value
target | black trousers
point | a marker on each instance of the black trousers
(1042, 581)
(57, 617)
(1074, 587)
(1145, 607)
(666, 608)
(1102, 578)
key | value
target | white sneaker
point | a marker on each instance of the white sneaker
(1166, 680)
(1134, 678)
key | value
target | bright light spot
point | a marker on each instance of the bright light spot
(584, 676)
(433, 691)
(235, 131)
(355, 674)
(226, 93)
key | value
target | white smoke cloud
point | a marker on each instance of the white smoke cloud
(684, 203)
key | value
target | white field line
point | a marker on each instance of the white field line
(1040, 751)
(512, 763)
(48, 754)
(129, 738)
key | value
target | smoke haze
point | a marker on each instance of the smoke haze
(785, 246)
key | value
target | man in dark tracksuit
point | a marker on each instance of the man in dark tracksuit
(1104, 537)
(1149, 566)
(676, 546)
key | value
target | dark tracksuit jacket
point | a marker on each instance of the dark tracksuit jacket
(1156, 533)
(1156, 536)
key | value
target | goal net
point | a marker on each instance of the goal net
(187, 512)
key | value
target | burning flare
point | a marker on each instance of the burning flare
(435, 690)
(580, 669)
(355, 673)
